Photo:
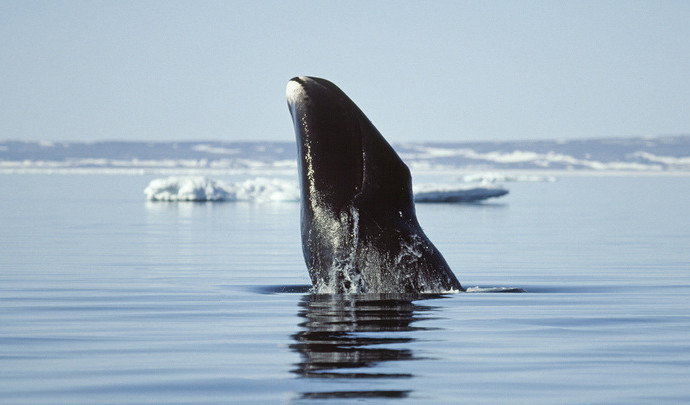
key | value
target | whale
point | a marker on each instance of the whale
(359, 229)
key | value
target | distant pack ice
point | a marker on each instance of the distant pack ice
(630, 155)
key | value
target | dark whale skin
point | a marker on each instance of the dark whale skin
(360, 233)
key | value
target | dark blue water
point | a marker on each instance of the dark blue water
(108, 299)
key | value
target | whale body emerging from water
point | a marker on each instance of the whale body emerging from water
(359, 228)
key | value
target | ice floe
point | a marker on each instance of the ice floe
(441, 193)
(199, 188)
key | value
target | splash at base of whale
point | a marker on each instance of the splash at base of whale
(359, 228)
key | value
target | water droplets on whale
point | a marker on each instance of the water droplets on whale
(359, 228)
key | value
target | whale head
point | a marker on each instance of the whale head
(342, 155)
(359, 229)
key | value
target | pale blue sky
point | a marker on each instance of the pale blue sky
(422, 71)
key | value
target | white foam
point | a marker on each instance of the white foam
(196, 188)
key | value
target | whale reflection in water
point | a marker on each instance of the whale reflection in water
(348, 337)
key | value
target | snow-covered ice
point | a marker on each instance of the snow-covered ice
(199, 188)
(437, 193)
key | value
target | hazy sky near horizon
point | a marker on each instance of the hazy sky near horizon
(421, 71)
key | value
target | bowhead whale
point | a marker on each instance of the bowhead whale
(359, 228)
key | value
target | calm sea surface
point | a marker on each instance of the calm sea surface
(108, 299)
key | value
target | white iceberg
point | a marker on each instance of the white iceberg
(195, 188)
(478, 289)
(442, 193)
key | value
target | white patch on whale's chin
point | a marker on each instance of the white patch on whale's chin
(295, 91)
